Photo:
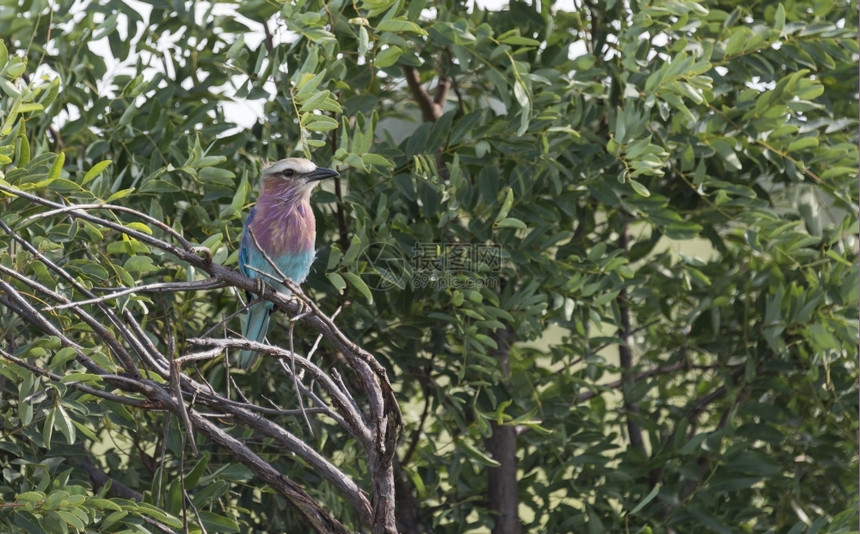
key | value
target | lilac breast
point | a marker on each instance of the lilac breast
(284, 226)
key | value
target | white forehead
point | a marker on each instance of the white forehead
(297, 165)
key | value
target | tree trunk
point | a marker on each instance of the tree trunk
(502, 445)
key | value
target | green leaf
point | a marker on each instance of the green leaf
(308, 83)
(507, 204)
(35, 497)
(356, 282)
(803, 143)
(363, 40)
(193, 476)
(314, 101)
(321, 123)
(337, 281)
(140, 227)
(62, 185)
(694, 444)
(511, 222)
(640, 189)
(86, 431)
(63, 356)
(521, 93)
(140, 264)
(212, 242)
(387, 57)
(241, 195)
(80, 377)
(9, 88)
(726, 152)
(400, 26)
(216, 175)
(95, 170)
(149, 510)
(71, 519)
(64, 424)
(158, 186)
(779, 19)
(119, 194)
(25, 413)
(57, 167)
(738, 40)
(518, 40)
(477, 455)
(377, 160)
(648, 498)
(28, 107)
(113, 519)
(218, 523)
(48, 428)
(103, 504)
(355, 248)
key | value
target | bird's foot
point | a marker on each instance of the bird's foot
(304, 311)
(261, 286)
(203, 252)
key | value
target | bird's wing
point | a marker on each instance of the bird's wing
(246, 247)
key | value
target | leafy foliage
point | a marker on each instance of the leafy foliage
(657, 203)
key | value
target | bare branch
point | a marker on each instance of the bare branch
(99, 478)
(140, 343)
(346, 486)
(159, 287)
(112, 207)
(431, 107)
(175, 385)
(83, 388)
(376, 430)
(316, 515)
(137, 234)
(353, 418)
(46, 326)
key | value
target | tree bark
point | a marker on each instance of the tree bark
(625, 359)
(502, 445)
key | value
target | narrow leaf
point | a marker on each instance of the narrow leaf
(648, 498)
(95, 171)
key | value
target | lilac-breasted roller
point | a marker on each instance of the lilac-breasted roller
(283, 225)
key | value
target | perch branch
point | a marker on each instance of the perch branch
(376, 430)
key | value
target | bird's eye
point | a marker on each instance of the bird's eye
(288, 173)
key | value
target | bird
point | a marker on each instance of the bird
(281, 226)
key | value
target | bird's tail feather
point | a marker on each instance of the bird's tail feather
(256, 327)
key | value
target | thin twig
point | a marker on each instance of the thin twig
(140, 344)
(209, 283)
(353, 418)
(175, 384)
(296, 379)
(83, 388)
(111, 207)
(376, 431)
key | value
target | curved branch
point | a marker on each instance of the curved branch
(376, 430)
(140, 343)
(99, 478)
(316, 515)
(353, 419)
(346, 486)
(83, 388)
(431, 107)
(112, 207)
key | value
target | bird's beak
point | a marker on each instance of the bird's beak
(321, 173)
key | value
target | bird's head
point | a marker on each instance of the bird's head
(298, 172)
